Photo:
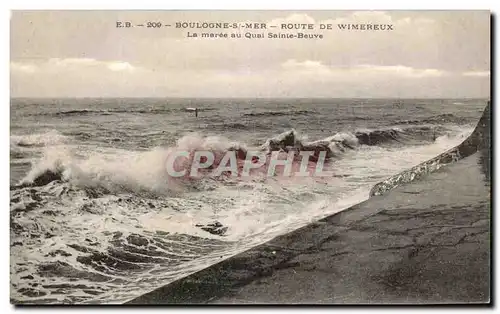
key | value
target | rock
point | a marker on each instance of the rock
(215, 228)
(137, 240)
(28, 277)
(47, 177)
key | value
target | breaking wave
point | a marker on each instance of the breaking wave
(117, 171)
(51, 137)
(438, 119)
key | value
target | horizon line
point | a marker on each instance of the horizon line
(177, 97)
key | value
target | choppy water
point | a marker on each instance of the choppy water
(96, 219)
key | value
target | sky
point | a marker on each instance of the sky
(436, 54)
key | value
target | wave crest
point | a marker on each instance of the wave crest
(145, 172)
(52, 137)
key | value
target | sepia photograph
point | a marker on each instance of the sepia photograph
(250, 157)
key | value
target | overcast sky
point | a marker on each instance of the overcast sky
(83, 54)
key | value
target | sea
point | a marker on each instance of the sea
(96, 219)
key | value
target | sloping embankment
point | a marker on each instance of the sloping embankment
(422, 242)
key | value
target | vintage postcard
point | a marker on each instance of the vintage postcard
(250, 157)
